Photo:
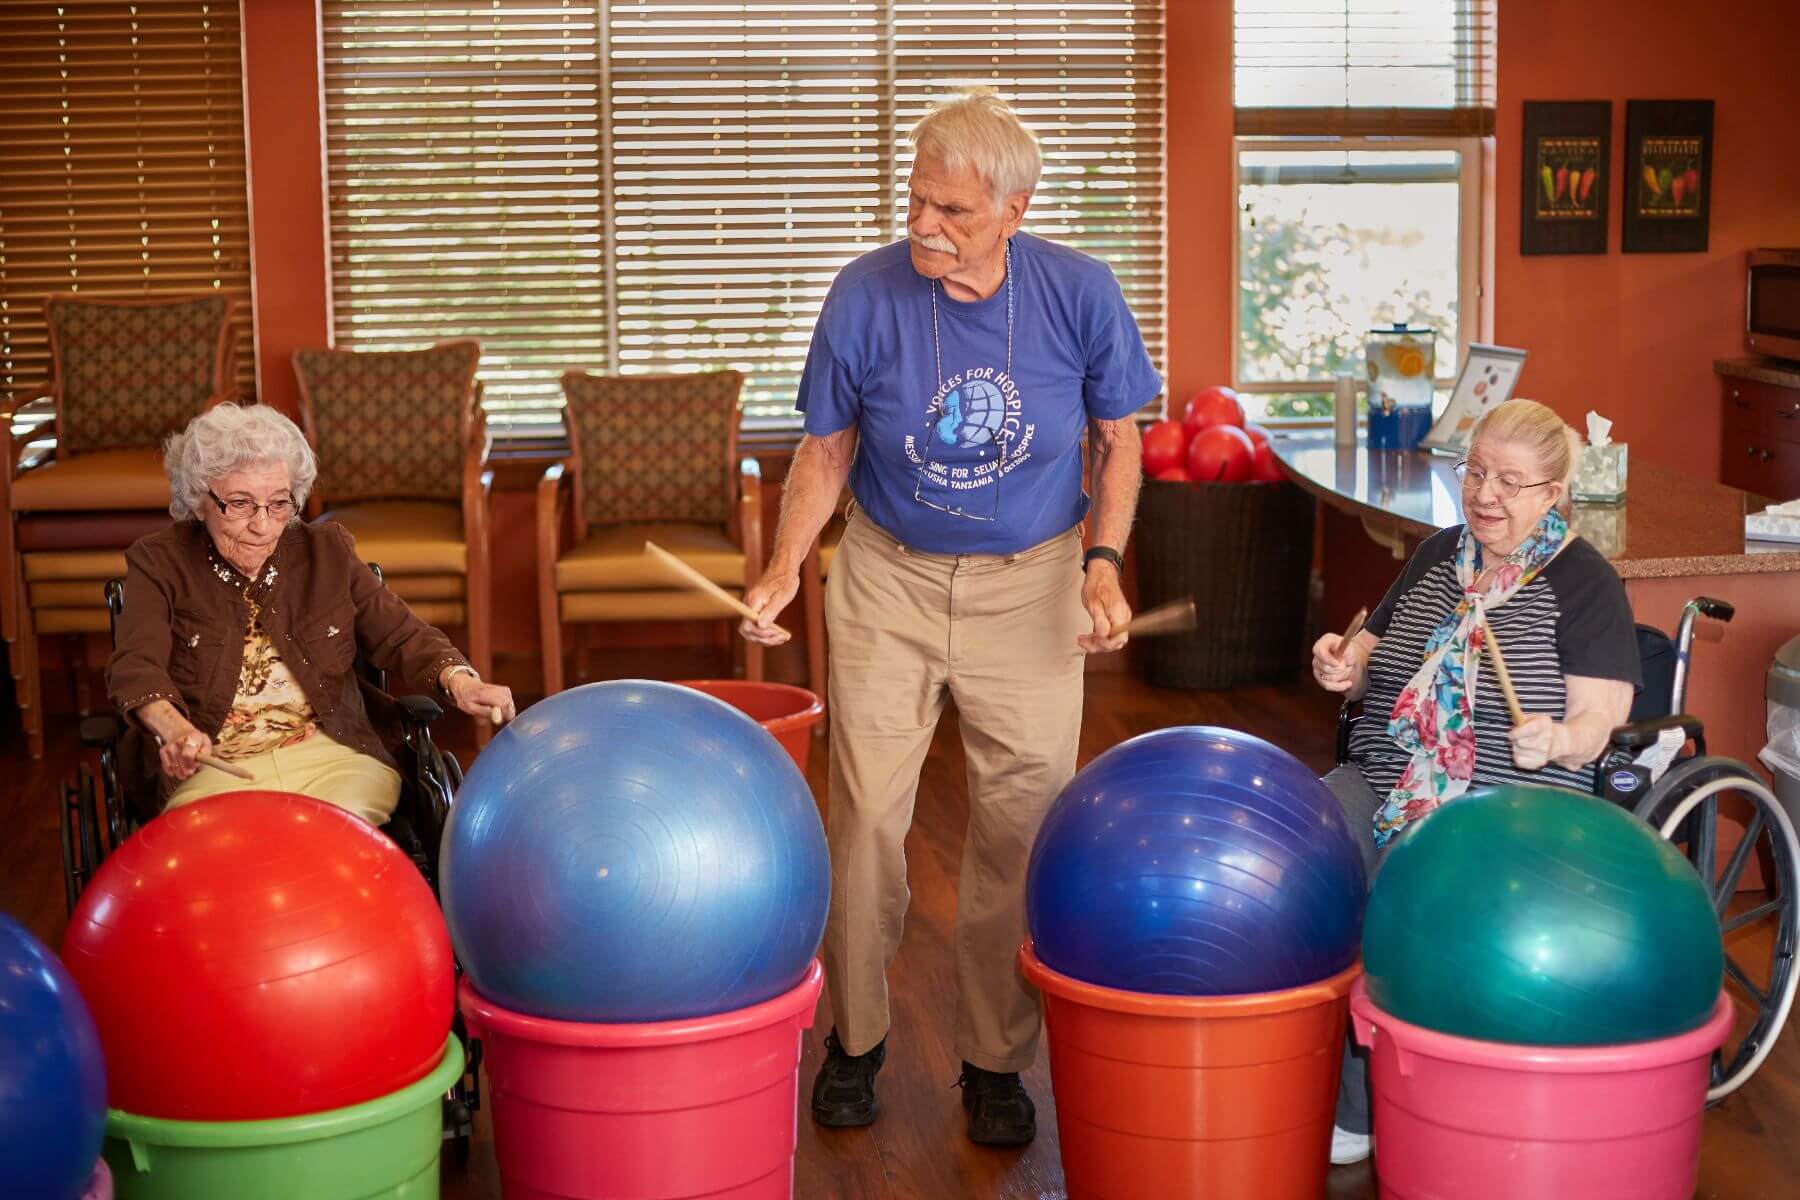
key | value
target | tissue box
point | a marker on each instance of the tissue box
(1600, 474)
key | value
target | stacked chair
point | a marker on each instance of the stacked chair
(403, 466)
(124, 374)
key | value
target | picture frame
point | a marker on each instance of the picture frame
(1488, 376)
(1565, 166)
(1667, 197)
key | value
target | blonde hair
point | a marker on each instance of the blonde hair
(978, 131)
(1537, 427)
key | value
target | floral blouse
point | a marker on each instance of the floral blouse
(270, 711)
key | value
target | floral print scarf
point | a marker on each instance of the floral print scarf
(1434, 719)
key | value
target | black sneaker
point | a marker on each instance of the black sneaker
(844, 1091)
(1000, 1111)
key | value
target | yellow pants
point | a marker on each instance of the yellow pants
(317, 767)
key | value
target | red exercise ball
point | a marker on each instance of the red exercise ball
(1263, 468)
(1165, 443)
(1175, 475)
(1220, 454)
(260, 954)
(1213, 406)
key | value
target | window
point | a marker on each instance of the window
(1335, 241)
(1358, 176)
(651, 186)
(124, 150)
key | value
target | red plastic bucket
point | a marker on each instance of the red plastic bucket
(665, 1110)
(1489, 1121)
(786, 711)
(1226, 1097)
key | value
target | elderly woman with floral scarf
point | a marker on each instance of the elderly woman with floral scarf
(1435, 724)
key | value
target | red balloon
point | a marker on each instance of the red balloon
(1164, 445)
(1263, 467)
(1213, 406)
(260, 954)
(1175, 474)
(1220, 454)
(1257, 433)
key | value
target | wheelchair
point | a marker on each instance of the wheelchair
(1657, 766)
(106, 801)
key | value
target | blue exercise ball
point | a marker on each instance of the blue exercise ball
(1195, 862)
(52, 1078)
(634, 851)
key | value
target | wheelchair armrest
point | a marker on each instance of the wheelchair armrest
(1639, 734)
(1348, 715)
(101, 731)
(418, 710)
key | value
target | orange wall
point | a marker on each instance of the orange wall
(283, 119)
(1201, 202)
(1634, 336)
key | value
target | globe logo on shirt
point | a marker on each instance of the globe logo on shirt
(972, 415)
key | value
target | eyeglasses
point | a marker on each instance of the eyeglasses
(1505, 486)
(240, 509)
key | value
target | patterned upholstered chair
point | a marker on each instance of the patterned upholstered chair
(654, 458)
(124, 374)
(402, 445)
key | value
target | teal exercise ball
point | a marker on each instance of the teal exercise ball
(1539, 916)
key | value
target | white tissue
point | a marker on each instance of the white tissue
(1599, 430)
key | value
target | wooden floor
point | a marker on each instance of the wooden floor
(917, 1150)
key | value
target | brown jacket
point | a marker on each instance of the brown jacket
(181, 636)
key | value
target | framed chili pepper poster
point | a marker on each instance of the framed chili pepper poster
(1567, 145)
(1668, 175)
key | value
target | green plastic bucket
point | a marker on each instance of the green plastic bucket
(385, 1148)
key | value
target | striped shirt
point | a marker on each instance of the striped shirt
(1571, 619)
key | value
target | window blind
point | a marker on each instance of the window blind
(463, 155)
(698, 172)
(1364, 67)
(123, 143)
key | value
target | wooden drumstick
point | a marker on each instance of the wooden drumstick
(1177, 616)
(232, 769)
(701, 583)
(495, 715)
(1356, 626)
(1500, 672)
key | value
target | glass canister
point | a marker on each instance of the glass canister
(1401, 362)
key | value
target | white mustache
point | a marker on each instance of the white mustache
(942, 245)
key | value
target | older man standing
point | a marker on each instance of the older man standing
(949, 381)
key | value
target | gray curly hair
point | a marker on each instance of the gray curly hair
(227, 438)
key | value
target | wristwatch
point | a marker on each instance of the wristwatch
(1108, 553)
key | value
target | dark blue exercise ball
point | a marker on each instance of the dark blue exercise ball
(1195, 862)
(52, 1078)
(634, 851)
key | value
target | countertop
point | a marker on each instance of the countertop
(1671, 524)
(1762, 370)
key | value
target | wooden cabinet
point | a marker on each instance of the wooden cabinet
(1760, 451)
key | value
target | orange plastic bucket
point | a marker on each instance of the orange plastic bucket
(786, 711)
(1226, 1097)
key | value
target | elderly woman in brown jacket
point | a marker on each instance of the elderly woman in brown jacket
(241, 625)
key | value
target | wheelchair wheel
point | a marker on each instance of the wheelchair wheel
(80, 821)
(1684, 807)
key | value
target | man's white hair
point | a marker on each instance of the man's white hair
(977, 130)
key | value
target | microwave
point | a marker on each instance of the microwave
(1772, 303)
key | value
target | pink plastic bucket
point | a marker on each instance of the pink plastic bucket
(1470, 1120)
(666, 1110)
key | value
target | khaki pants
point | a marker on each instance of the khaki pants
(317, 767)
(908, 631)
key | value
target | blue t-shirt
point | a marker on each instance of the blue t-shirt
(973, 460)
